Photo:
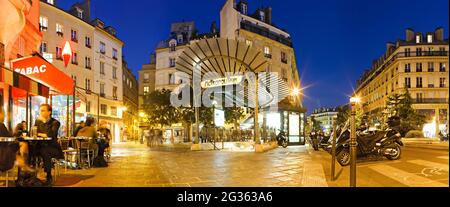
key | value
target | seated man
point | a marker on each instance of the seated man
(48, 127)
(20, 148)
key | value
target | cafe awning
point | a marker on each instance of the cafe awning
(18, 81)
(38, 69)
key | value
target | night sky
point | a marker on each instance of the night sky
(334, 41)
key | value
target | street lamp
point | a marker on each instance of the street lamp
(353, 101)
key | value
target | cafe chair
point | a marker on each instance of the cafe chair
(87, 149)
(6, 178)
(64, 143)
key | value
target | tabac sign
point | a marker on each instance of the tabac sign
(38, 69)
(231, 80)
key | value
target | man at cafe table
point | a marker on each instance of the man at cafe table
(48, 127)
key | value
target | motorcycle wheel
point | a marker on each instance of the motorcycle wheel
(284, 144)
(343, 157)
(395, 156)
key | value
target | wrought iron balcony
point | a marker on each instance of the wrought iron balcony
(247, 25)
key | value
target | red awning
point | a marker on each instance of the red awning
(37, 68)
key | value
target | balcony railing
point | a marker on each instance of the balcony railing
(268, 55)
(430, 100)
(247, 25)
(369, 77)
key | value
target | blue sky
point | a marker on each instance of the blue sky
(334, 40)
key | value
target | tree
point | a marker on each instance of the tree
(233, 115)
(344, 113)
(316, 125)
(159, 110)
(401, 105)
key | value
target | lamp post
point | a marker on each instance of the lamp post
(353, 101)
(141, 115)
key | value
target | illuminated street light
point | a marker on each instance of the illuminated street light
(142, 114)
(124, 108)
(354, 101)
(295, 92)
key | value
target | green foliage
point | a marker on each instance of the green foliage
(401, 105)
(159, 110)
(233, 115)
(315, 124)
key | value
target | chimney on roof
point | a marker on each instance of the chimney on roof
(390, 47)
(268, 12)
(439, 34)
(409, 35)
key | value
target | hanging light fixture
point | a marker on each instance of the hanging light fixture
(66, 53)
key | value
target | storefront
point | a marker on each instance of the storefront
(59, 94)
(20, 96)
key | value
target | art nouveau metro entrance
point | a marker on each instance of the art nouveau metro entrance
(217, 63)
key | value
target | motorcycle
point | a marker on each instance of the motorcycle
(323, 143)
(314, 140)
(282, 139)
(385, 143)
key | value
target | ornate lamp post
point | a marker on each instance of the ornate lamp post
(353, 101)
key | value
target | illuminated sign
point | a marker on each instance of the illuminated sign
(219, 117)
(31, 70)
(48, 57)
(231, 80)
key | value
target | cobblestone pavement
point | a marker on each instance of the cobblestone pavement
(135, 165)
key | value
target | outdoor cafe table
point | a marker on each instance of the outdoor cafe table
(80, 139)
(7, 139)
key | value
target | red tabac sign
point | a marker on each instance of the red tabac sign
(44, 72)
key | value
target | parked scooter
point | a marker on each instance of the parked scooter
(383, 143)
(282, 139)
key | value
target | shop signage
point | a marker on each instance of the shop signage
(231, 80)
(32, 70)
(48, 57)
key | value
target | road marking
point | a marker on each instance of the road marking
(406, 178)
(443, 167)
(443, 157)
(313, 175)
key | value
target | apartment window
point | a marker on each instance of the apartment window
(429, 38)
(262, 16)
(114, 75)
(392, 87)
(87, 62)
(171, 78)
(441, 67)
(172, 62)
(442, 51)
(180, 39)
(419, 82)
(102, 68)
(419, 97)
(114, 54)
(173, 46)
(430, 82)
(87, 42)
(407, 68)
(267, 52)
(114, 92)
(74, 35)
(407, 52)
(43, 23)
(244, 9)
(102, 48)
(43, 47)
(88, 106)
(103, 109)
(283, 57)
(430, 67)
(418, 67)
(87, 84)
(418, 51)
(80, 13)
(102, 89)
(74, 58)
(418, 38)
(430, 51)
(146, 89)
(113, 111)
(58, 53)
(442, 82)
(408, 82)
(146, 77)
(59, 29)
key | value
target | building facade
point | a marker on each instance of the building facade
(420, 64)
(95, 65)
(325, 116)
(146, 85)
(130, 102)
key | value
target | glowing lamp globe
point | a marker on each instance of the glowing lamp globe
(67, 53)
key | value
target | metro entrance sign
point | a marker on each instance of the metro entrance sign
(231, 80)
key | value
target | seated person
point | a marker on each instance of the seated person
(21, 129)
(20, 148)
(89, 131)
